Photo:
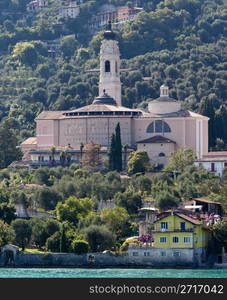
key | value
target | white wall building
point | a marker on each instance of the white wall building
(36, 5)
(214, 162)
(71, 10)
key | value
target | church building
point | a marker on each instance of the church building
(160, 130)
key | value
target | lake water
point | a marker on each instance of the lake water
(111, 273)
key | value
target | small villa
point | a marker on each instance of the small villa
(177, 239)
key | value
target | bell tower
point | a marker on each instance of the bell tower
(109, 79)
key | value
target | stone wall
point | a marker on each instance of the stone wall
(162, 256)
(102, 260)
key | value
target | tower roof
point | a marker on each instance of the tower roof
(105, 99)
(109, 34)
(164, 95)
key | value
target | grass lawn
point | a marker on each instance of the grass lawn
(35, 251)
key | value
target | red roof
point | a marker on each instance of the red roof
(182, 216)
(206, 201)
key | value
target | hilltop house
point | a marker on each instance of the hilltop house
(214, 162)
(114, 14)
(36, 5)
(69, 10)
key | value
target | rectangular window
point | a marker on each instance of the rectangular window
(163, 253)
(182, 226)
(135, 254)
(176, 253)
(164, 225)
(187, 239)
(146, 253)
(163, 239)
(175, 239)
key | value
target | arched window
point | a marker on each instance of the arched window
(158, 126)
(107, 66)
(150, 128)
(161, 154)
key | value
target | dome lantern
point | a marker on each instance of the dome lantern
(164, 91)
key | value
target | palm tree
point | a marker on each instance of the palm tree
(53, 152)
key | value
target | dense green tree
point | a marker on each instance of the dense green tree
(6, 234)
(138, 162)
(207, 109)
(129, 200)
(26, 53)
(23, 232)
(80, 246)
(220, 233)
(53, 242)
(68, 46)
(117, 220)
(46, 198)
(220, 124)
(180, 159)
(8, 145)
(166, 200)
(41, 176)
(7, 212)
(42, 229)
(73, 209)
(99, 238)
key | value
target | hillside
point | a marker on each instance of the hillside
(179, 42)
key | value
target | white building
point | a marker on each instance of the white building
(71, 10)
(214, 162)
(36, 5)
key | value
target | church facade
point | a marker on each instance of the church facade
(160, 130)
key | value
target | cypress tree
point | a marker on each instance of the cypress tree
(115, 152)
(118, 148)
(63, 239)
(207, 109)
(112, 153)
(221, 123)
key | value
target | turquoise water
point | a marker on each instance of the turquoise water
(111, 273)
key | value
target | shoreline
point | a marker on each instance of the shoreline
(114, 267)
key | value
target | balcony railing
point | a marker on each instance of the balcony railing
(174, 230)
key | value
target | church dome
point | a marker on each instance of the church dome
(109, 34)
(164, 104)
(105, 99)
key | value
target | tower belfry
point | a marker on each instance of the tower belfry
(109, 79)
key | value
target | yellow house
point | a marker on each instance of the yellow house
(179, 240)
(177, 230)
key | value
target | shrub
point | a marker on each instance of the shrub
(53, 242)
(80, 246)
